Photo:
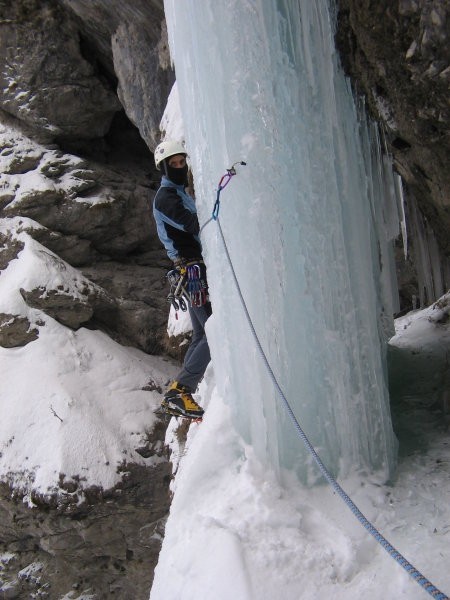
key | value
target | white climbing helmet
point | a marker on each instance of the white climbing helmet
(166, 149)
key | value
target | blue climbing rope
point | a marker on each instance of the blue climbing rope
(409, 568)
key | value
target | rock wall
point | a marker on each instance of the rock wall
(105, 548)
(129, 40)
(83, 86)
(72, 75)
(95, 217)
(45, 81)
(397, 55)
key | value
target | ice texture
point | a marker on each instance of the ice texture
(430, 274)
(309, 224)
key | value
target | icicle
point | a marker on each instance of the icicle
(427, 259)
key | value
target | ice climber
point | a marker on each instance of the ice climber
(178, 229)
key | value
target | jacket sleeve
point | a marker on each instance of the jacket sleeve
(171, 206)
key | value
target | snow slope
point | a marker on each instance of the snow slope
(235, 534)
(72, 404)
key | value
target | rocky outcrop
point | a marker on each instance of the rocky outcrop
(48, 83)
(92, 216)
(16, 331)
(129, 40)
(75, 197)
(9, 249)
(88, 60)
(128, 300)
(64, 307)
(398, 56)
(140, 310)
(140, 78)
(106, 546)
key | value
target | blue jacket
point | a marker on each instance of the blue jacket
(176, 221)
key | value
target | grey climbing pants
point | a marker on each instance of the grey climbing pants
(198, 356)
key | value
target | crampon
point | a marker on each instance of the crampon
(165, 409)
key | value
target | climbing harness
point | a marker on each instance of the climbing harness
(409, 568)
(188, 285)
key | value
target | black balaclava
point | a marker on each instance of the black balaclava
(177, 176)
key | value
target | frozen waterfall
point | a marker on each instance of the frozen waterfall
(309, 224)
